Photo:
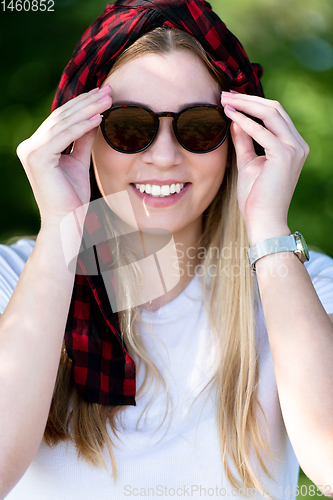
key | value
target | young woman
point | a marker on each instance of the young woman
(208, 378)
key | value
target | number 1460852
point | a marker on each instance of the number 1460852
(28, 5)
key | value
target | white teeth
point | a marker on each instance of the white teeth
(155, 190)
(160, 191)
(165, 190)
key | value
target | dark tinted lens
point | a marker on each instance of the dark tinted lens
(129, 128)
(202, 128)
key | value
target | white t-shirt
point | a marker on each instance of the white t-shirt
(181, 457)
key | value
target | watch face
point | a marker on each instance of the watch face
(302, 248)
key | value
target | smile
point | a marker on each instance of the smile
(160, 191)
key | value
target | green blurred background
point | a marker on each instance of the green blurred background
(292, 39)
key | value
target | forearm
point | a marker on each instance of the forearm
(301, 340)
(31, 335)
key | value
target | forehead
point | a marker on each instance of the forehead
(164, 82)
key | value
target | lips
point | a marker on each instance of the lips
(158, 200)
(160, 190)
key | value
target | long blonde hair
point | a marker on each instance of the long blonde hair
(230, 306)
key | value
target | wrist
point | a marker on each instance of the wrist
(264, 232)
(279, 262)
(64, 241)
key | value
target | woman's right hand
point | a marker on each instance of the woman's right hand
(60, 183)
(31, 341)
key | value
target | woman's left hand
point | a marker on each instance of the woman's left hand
(265, 183)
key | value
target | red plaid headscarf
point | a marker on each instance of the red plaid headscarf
(103, 371)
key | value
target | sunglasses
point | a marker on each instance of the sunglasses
(132, 128)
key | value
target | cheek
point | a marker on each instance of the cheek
(111, 167)
(213, 170)
(110, 172)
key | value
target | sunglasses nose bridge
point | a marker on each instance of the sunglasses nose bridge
(174, 116)
(166, 114)
(165, 138)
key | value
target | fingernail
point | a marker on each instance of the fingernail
(95, 117)
(107, 86)
(229, 107)
(93, 90)
(227, 95)
(234, 92)
(104, 98)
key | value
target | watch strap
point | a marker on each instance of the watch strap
(269, 246)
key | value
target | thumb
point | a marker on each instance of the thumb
(243, 144)
(83, 146)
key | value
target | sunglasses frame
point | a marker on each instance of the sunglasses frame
(157, 117)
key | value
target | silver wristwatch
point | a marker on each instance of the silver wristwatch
(293, 243)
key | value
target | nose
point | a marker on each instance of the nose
(165, 151)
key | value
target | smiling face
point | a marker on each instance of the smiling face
(166, 82)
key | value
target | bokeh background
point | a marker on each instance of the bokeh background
(292, 39)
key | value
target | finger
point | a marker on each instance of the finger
(275, 147)
(271, 117)
(243, 144)
(259, 133)
(64, 138)
(83, 146)
(103, 95)
(273, 105)
(78, 100)
(255, 98)
(84, 114)
(71, 107)
(72, 102)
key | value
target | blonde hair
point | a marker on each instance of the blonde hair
(230, 306)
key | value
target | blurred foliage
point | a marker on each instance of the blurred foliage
(292, 39)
